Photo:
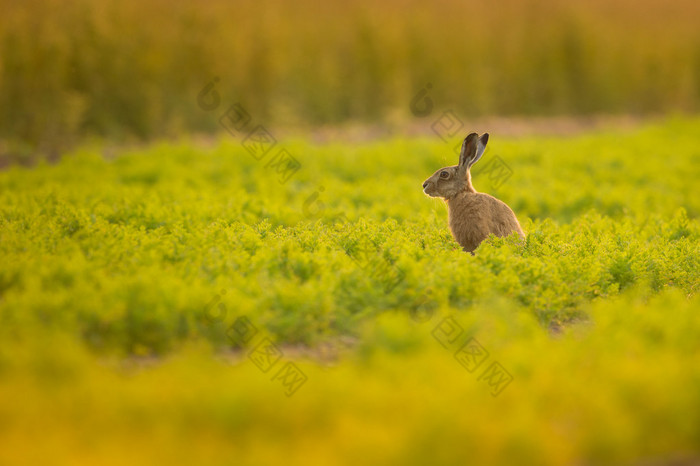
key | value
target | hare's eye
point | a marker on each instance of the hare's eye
(444, 175)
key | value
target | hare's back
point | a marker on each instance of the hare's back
(502, 219)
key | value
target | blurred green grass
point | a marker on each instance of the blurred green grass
(121, 69)
(620, 391)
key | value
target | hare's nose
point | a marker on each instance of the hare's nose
(425, 185)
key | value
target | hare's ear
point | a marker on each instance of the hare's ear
(468, 151)
(480, 148)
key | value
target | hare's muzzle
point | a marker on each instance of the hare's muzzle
(429, 188)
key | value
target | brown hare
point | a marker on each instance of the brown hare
(472, 215)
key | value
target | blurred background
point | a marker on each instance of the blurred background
(132, 69)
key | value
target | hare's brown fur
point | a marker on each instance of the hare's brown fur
(472, 215)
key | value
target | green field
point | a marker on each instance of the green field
(136, 288)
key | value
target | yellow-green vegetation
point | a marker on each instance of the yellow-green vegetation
(123, 281)
(134, 67)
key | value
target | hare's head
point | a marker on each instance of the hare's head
(450, 181)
